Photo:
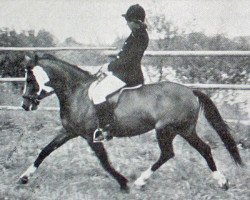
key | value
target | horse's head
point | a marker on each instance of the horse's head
(35, 88)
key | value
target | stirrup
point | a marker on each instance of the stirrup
(99, 133)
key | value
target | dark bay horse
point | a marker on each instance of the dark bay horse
(167, 107)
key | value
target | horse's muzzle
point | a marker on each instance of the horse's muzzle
(25, 107)
(31, 107)
(30, 104)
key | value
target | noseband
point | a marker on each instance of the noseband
(35, 99)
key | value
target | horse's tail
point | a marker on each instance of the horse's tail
(214, 118)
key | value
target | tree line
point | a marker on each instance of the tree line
(10, 62)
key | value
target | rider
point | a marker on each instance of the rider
(125, 70)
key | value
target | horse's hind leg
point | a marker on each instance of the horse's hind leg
(58, 141)
(101, 153)
(165, 141)
(205, 150)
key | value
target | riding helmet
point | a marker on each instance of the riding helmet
(134, 13)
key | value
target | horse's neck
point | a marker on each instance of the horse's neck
(68, 97)
(67, 79)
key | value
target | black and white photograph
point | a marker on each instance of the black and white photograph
(125, 100)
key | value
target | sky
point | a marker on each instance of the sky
(100, 21)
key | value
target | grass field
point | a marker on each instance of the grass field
(73, 171)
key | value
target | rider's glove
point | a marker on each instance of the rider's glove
(104, 69)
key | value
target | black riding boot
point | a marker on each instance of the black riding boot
(104, 113)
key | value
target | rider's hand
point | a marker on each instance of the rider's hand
(104, 69)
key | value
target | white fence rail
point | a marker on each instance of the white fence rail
(54, 48)
(110, 51)
(20, 108)
(195, 86)
(219, 86)
(16, 79)
(189, 53)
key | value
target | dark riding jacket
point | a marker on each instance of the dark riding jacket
(127, 65)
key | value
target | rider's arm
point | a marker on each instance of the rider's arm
(130, 51)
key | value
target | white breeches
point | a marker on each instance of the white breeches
(99, 90)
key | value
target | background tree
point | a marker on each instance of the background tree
(10, 62)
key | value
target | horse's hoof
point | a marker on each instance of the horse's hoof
(140, 187)
(225, 186)
(24, 180)
(125, 189)
(139, 184)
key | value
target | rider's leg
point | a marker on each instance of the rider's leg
(104, 111)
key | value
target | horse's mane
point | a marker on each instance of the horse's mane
(54, 58)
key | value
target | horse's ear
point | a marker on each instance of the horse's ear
(36, 59)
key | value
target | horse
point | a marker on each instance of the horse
(166, 107)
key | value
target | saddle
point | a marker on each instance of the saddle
(112, 98)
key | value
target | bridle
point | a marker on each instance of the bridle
(35, 99)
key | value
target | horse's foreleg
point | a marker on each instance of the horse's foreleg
(165, 140)
(58, 141)
(101, 153)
